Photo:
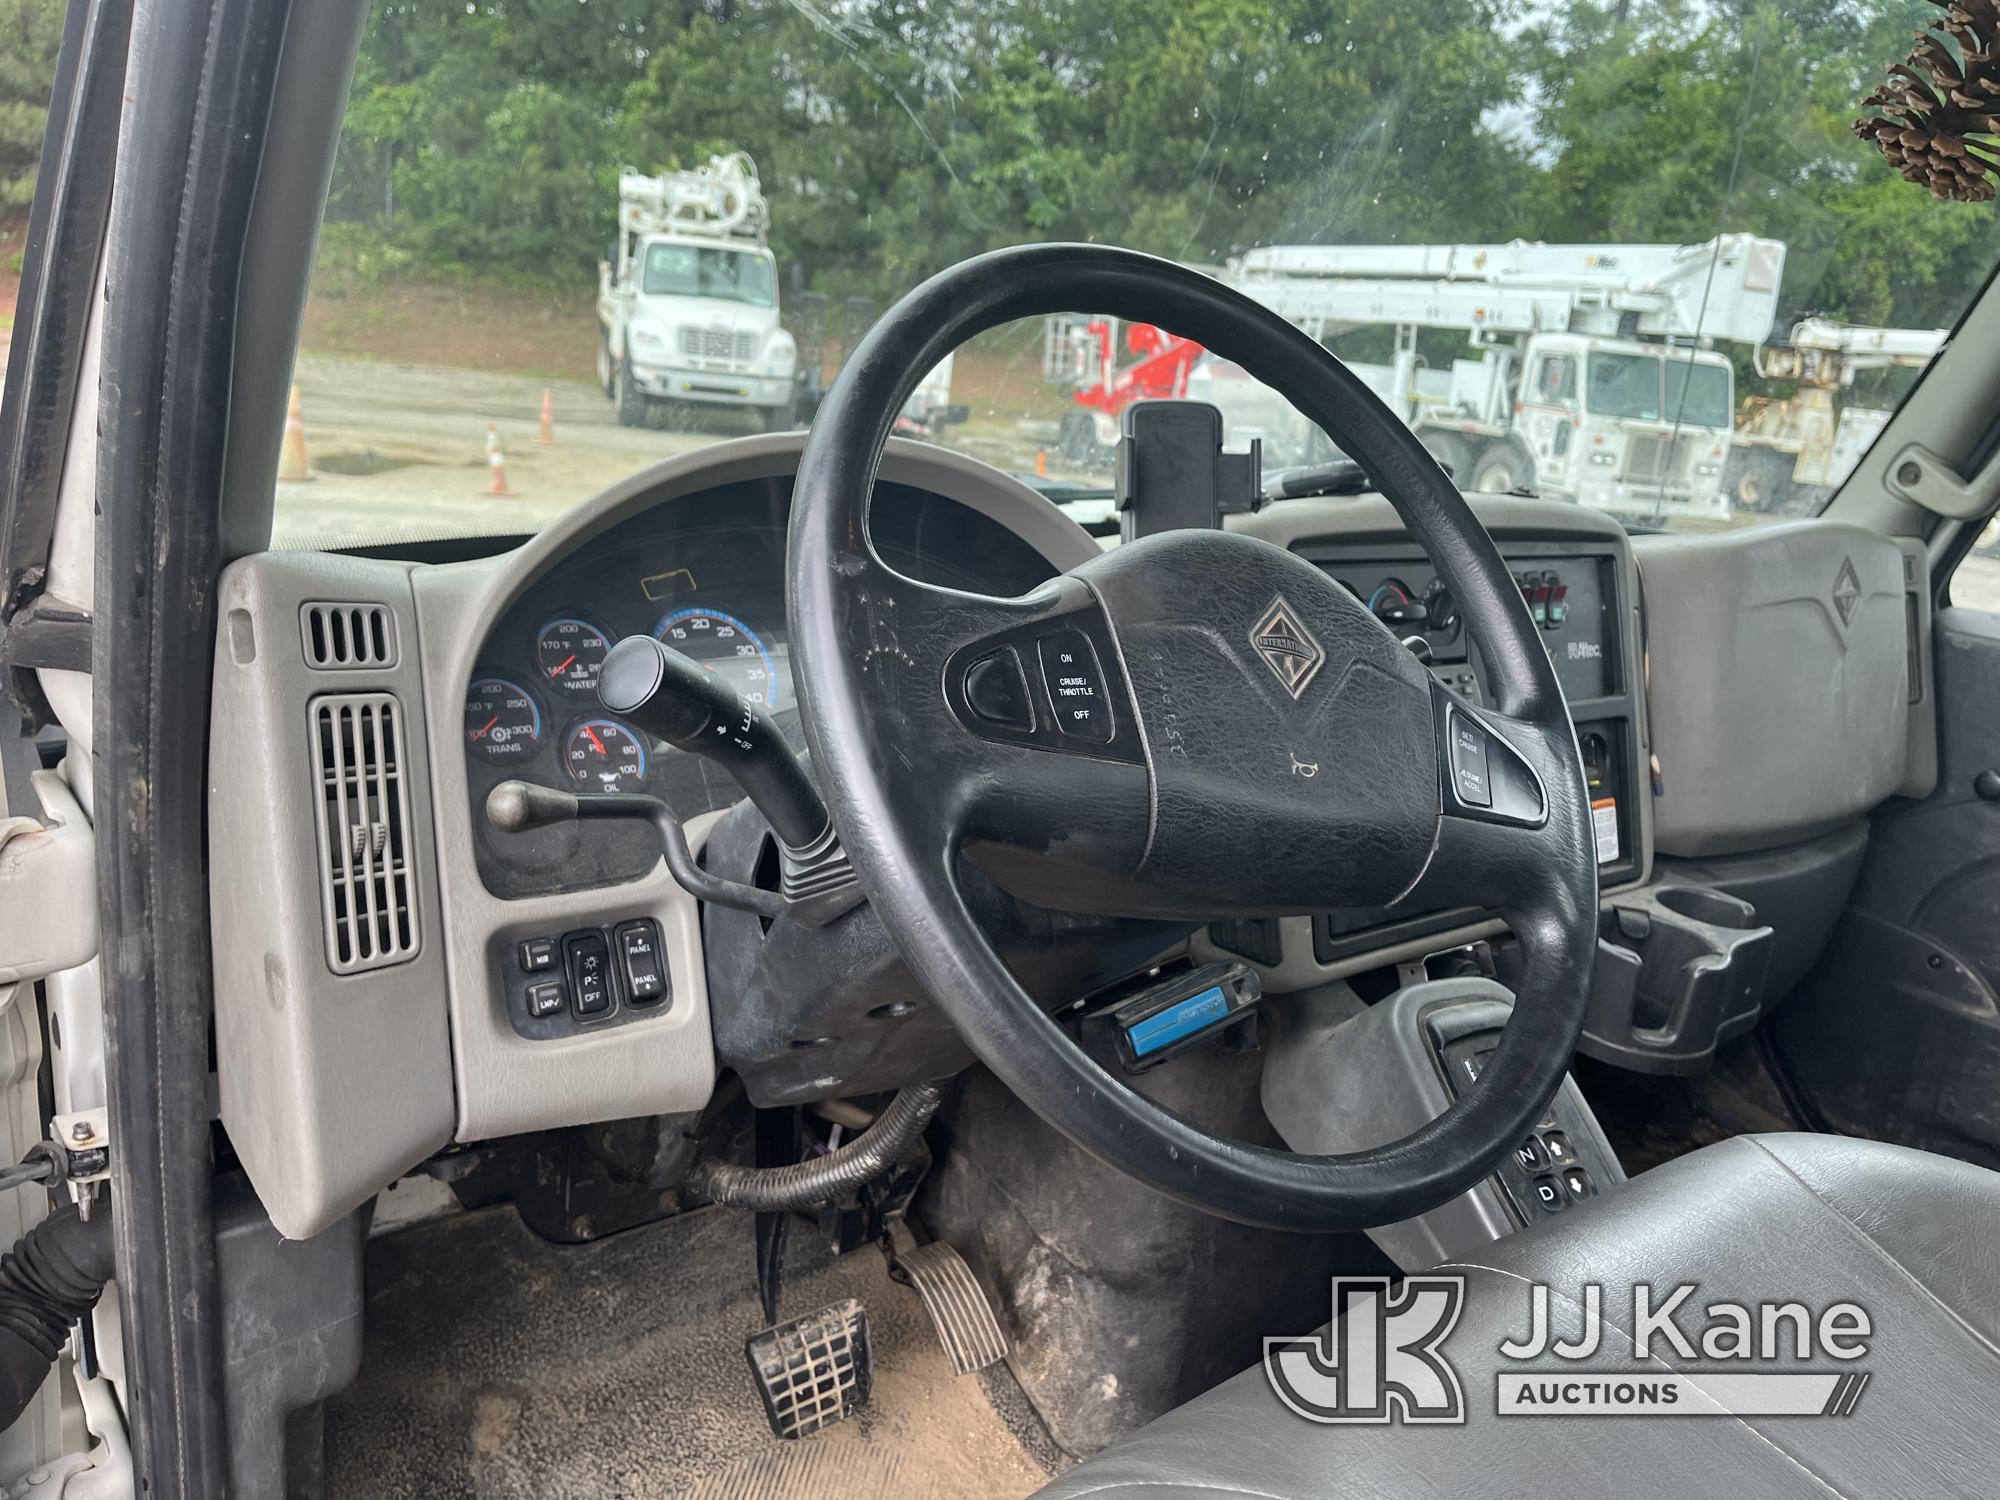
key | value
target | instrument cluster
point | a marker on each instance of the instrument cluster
(507, 722)
(705, 573)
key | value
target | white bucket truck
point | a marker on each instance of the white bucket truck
(687, 301)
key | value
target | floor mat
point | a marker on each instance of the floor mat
(500, 1367)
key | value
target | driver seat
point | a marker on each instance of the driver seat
(1914, 1239)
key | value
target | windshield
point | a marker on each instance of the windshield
(697, 271)
(1625, 385)
(1628, 257)
(1648, 388)
(1696, 395)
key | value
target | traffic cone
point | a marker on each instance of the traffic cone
(1041, 463)
(547, 436)
(496, 461)
(292, 454)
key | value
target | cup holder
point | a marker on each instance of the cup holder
(1680, 968)
(1700, 904)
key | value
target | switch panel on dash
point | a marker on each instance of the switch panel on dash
(585, 979)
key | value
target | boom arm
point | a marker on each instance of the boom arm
(1822, 352)
(1724, 289)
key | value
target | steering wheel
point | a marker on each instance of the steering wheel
(1195, 725)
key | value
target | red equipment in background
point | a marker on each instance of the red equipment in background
(1082, 352)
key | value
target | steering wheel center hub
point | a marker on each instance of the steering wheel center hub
(1289, 736)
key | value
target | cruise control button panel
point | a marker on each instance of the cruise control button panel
(996, 690)
(1484, 776)
(584, 979)
(1075, 685)
(1052, 685)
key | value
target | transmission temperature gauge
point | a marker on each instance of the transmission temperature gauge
(501, 720)
(602, 755)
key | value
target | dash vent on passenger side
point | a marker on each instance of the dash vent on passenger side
(341, 637)
(366, 884)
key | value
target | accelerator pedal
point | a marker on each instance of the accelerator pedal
(815, 1370)
(964, 1319)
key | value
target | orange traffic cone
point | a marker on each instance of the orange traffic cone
(292, 454)
(496, 461)
(1041, 463)
(547, 436)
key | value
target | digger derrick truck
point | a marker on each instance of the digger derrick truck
(1592, 376)
(1792, 451)
(687, 296)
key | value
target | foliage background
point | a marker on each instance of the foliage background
(483, 139)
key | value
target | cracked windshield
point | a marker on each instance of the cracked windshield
(1630, 257)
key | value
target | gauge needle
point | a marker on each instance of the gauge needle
(558, 671)
(594, 739)
(480, 734)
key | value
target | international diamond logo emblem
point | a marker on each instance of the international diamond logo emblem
(1847, 591)
(1287, 647)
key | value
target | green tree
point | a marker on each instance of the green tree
(30, 33)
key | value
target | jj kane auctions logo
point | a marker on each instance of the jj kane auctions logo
(1382, 1358)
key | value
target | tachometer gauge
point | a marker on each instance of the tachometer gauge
(727, 647)
(569, 652)
(602, 755)
(501, 720)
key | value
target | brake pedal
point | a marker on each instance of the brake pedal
(957, 1303)
(814, 1370)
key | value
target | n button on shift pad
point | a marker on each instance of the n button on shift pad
(1075, 686)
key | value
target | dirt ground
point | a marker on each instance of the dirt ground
(398, 388)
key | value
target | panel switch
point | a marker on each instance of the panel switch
(639, 960)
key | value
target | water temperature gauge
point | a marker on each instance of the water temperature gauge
(602, 755)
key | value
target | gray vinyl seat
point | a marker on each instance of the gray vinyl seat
(1912, 1238)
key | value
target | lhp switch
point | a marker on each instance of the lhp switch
(1075, 686)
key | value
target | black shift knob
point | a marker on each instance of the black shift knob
(678, 700)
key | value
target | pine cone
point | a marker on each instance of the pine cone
(1940, 109)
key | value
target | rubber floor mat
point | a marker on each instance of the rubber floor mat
(500, 1367)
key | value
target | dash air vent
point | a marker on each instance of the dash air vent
(340, 637)
(364, 832)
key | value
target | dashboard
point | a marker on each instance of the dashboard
(705, 575)
(350, 793)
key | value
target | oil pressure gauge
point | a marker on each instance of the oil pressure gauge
(602, 755)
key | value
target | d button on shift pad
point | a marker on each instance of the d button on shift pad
(1075, 686)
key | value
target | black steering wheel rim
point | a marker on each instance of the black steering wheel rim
(860, 669)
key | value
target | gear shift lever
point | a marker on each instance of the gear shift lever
(676, 700)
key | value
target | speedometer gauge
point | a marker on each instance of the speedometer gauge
(569, 652)
(501, 720)
(726, 646)
(602, 755)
